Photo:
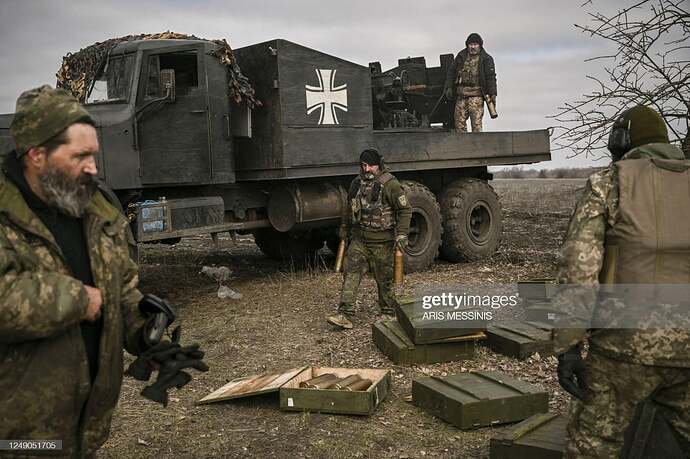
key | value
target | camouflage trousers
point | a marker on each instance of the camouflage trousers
(597, 426)
(469, 107)
(360, 257)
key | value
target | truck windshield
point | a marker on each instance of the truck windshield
(113, 82)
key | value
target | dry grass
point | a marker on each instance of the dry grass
(279, 324)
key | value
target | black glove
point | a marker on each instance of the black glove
(171, 375)
(571, 373)
(153, 357)
(169, 358)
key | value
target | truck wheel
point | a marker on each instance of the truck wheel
(425, 227)
(298, 249)
(471, 220)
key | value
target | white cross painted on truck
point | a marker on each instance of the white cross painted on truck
(326, 97)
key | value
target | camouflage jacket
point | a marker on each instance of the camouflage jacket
(45, 388)
(487, 73)
(581, 260)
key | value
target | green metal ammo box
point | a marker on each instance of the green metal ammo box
(520, 339)
(540, 311)
(427, 331)
(541, 436)
(478, 399)
(391, 339)
(295, 398)
(537, 289)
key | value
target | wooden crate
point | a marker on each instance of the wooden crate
(520, 339)
(294, 398)
(541, 436)
(477, 399)
(392, 340)
(423, 330)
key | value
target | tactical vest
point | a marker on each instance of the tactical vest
(369, 210)
(649, 243)
(469, 74)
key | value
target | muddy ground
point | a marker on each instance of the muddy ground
(278, 324)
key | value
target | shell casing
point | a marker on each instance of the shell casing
(326, 382)
(359, 385)
(342, 384)
(398, 265)
(310, 382)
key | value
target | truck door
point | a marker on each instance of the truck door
(173, 137)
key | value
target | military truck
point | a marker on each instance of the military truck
(182, 157)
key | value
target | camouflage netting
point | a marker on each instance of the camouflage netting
(78, 70)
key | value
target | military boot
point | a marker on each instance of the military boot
(340, 321)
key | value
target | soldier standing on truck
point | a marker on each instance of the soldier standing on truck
(630, 226)
(376, 220)
(69, 301)
(470, 80)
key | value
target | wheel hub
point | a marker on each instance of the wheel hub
(479, 222)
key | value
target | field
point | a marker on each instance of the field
(279, 324)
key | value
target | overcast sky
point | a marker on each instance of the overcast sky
(538, 52)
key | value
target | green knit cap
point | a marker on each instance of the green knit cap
(42, 113)
(646, 126)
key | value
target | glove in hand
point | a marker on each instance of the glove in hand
(401, 242)
(571, 373)
(169, 358)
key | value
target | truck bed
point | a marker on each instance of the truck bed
(404, 150)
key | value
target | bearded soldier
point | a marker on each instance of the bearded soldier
(69, 301)
(470, 78)
(376, 221)
(630, 226)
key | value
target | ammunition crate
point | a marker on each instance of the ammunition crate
(541, 436)
(391, 339)
(425, 331)
(520, 339)
(478, 399)
(295, 398)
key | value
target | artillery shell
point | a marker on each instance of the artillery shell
(341, 385)
(324, 383)
(360, 385)
(310, 382)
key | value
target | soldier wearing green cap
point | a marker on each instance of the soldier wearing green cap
(631, 225)
(69, 301)
(376, 220)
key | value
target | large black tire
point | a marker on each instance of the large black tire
(425, 227)
(297, 249)
(472, 223)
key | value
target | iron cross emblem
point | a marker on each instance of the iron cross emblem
(326, 97)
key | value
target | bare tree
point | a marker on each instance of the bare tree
(650, 66)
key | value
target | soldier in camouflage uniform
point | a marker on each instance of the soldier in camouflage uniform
(376, 221)
(630, 226)
(471, 77)
(68, 292)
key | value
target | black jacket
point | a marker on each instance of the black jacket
(487, 72)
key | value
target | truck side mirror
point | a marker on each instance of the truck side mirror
(167, 79)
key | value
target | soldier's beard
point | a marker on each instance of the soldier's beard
(474, 52)
(71, 196)
(369, 176)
